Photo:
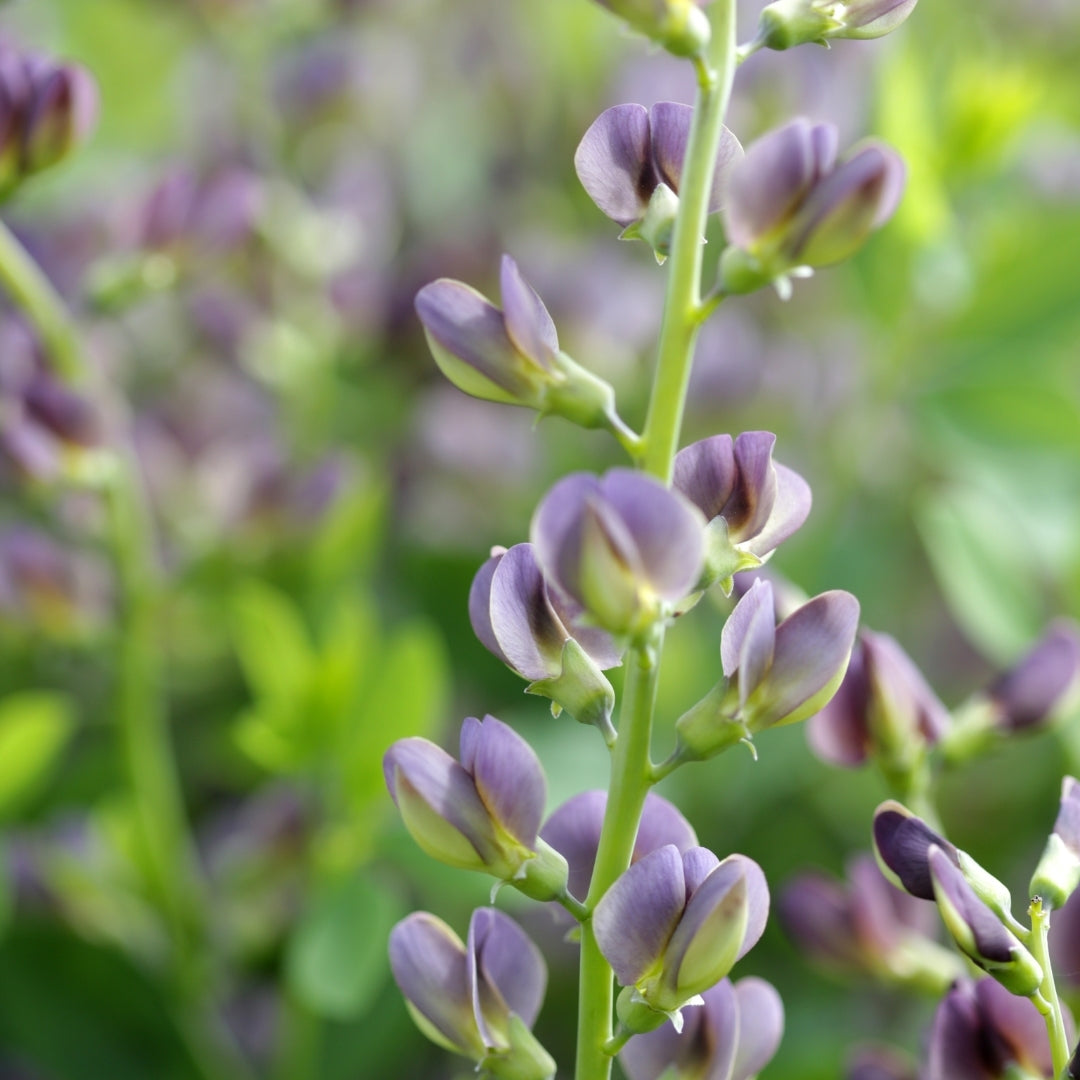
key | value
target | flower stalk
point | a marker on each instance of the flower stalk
(1047, 1000)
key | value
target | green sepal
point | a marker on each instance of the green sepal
(787, 23)
(723, 559)
(658, 224)
(708, 728)
(1057, 875)
(580, 688)
(523, 1059)
(544, 876)
(973, 731)
(636, 1014)
(576, 394)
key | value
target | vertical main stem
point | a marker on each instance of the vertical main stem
(682, 305)
(1052, 1013)
(630, 783)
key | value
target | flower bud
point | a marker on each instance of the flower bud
(62, 114)
(734, 1034)
(1058, 872)
(482, 814)
(750, 502)
(1043, 684)
(509, 355)
(630, 162)
(623, 546)
(477, 999)
(680, 26)
(787, 23)
(790, 205)
(535, 630)
(978, 931)
(674, 924)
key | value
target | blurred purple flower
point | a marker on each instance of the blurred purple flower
(732, 1036)
(573, 830)
(482, 814)
(789, 204)
(674, 924)
(630, 162)
(750, 502)
(623, 546)
(879, 1063)
(480, 998)
(1036, 689)
(983, 1032)
(884, 709)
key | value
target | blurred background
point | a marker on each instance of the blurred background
(240, 243)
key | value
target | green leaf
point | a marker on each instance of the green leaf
(349, 535)
(34, 728)
(336, 960)
(272, 641)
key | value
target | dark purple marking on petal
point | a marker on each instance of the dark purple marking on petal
(429, 966)
(1018, 1023)
(527, 321)
(752, 500)
(614, 165)
(508, 776)
(958, 1045)
(635, 918)
(761, 1026)
(667, 530)
(529, 633)
(705, 473)
(903, 842)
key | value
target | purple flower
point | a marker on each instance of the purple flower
(678, 25)
(1058, 873)
(534, 630)
(733, 1036)
(1040, 686)
(866, 925)
(978, 931)
(787, 23)
(482, 814)
(674, 924)
(623, 546)
(750, 502)
(630, 162)
(773, 674)
(982, 1032)
(478, 999)
(509, 354)
(879, 1063)
(902, 843)
(790, 204)
(573, 830)
(884, 709)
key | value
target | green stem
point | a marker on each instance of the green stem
(682, 305)
(26, 284)
(1050, 1006)
(630, 784)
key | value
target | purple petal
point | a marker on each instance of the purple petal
(899, 688)
(667, 530)
(437, 779)
(662, 823)
(429, 966)
(1032, 689)
(874, 904)
(526, 628)
(573, 830)
(698, 864)
(761, 1027)
(992, 941)
(599, 644)
(507, 973)
(1017, 1021)
(1067, 825)
(839, 733)
(771, 180)
(637, 915)
(705, 473)
(812, 649)
(526, 319)
(754, 611)
(957, 1040)
(469, 327)
(903, 842)
(507, 774)
(879, 1063)
(816, 913)
(480, 607)
(613, 163)
(755, 487)
(757, 901)
(791, 507)
(557, 527)
(669, 130)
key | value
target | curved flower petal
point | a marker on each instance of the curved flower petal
(527, 321)
(669, 124)
(790, 509)
(1017, 1021)
(1029, 693)
(957, 1040)
(761, 1027)
(613, 163)
(750, 630)
(480, 606)
(705, 473)
(902, 842)
(508, 776)
(636, 916)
